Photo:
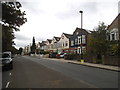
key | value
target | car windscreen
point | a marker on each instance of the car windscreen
(5, 55)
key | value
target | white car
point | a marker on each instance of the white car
(6, 60)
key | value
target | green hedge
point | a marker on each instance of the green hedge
(72, 57)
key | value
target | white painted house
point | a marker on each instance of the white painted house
(64, 42)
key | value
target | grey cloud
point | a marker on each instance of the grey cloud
(89, 7)
(33, 7)
(21, 37)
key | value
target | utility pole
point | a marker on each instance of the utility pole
(81, 36)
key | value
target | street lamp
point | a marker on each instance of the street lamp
(81, 34)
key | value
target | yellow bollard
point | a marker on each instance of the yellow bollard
(82, 61)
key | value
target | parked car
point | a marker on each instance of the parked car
(7, 62)
(61, 55)
(52, 55)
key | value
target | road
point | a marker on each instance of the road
(32, 72)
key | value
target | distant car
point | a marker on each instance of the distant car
(61, 55)
(7, 62)
(52, 55)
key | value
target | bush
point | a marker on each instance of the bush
(72, 56)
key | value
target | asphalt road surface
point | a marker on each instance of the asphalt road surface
(29, 72)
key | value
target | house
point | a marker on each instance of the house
(43, 45)
(114, 30)
(27, 49)
(54, 44)
(48, 44)
(76, 43)
(64, 42)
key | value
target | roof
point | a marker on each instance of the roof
(49, 40)
(67, 35)
(43, 43)
(115, 23)
(57, 38)
(80, 30)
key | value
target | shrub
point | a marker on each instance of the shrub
(72, 56)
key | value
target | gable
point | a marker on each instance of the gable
(115, 23)
(79, 31)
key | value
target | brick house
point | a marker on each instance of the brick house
(75, 41)
(114, 30)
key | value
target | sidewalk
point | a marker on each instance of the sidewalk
(108, 67)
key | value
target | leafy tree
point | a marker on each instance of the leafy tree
(33, 47)
(20, 50)
(7, 37)
(99, 43)
(12, 19)
(12, 16)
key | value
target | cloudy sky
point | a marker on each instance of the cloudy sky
(48, 18)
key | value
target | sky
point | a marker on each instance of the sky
(48, 18)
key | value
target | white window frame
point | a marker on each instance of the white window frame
(72, 43)
(79, 39)
(83, 39)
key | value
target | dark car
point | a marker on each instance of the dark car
(7, 62)
(52, 55)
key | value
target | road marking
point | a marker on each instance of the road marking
(10, 74)
(7, 84)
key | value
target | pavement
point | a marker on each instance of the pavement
(101, 66)
(107, 67)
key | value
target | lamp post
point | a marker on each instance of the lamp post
(81, 35)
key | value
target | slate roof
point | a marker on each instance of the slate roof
(49, 40)
(57, 38)
(67, 35)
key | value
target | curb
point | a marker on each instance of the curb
(95, 66)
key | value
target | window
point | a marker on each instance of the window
(108, 37)
(66, 43)
(113, 36)
(76, 41)
(79, 39)
(117, 36)
(83, 39)
(77, 33)
(63, 44)
(79, 50)
(62, 37)
(83, 49)
(72, 43)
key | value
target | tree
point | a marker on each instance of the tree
(12, 16)
(7, 38)
(99, 43)
(33, 47)
(20, 50)
(12, 19)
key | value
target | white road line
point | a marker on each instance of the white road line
(10, 74)
(7, 84)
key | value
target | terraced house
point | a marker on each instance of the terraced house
(64, 42)
(76, 42)
(54, 44)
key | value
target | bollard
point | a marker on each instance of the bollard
(82, 61)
